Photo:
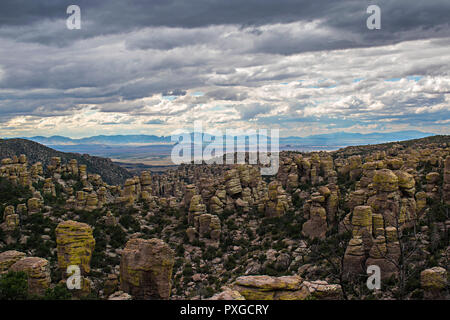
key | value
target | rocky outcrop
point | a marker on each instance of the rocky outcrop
(8, 258)
(75, 244)
(322, 290)
(446, 185)
(227, 294)
(120, 295)
(146, 269)
(316, 226)
(354, 258)
(38, 274)
(34, 152)
(11, 219)
(209, 226)
(285, 288)
(362, 225)
(278, 202)
(434, 282)
(271, 288)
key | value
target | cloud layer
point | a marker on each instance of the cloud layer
(154, 67)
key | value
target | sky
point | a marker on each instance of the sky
(151, 67)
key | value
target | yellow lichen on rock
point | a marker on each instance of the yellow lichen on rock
(75, 244)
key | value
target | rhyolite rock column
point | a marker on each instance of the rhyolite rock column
(434, 282)
(75, 244)
(37, 271)
(8, 258)
(146, 269)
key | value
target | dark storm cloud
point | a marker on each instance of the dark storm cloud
(401, 20)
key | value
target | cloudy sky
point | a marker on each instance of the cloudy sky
(150, 67)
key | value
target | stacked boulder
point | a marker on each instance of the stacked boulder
(375, 226)
(36, 269)
(146, 185)
(204, 225)
(209, 226)
(49, 187)
(316, 226)
(36, 170)
(320, 211)
(146, 269)
(34, 205)
(73, 167)
(354, 258)
(75, 244)
(8, 258)
(11, 219)
(131, 191)
(277, 202)
(38, 274)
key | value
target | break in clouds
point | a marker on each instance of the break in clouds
(302, 66)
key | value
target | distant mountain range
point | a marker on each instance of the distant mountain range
(352, 139)
(338, 139)
(101, 139)
(151, 151)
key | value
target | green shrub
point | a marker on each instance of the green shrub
(14, 286)
(59, 292)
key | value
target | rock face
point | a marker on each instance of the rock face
(385, 180)
(320, 210)
(285, 288)
(146, 269)
(75, 245)
(433, 281)
(209, 226)
(354, 258)
(8, 258)
(227, 294)
(271, 288)
(277, 203)
(321, 290)
(12, 219)
(119, 295)
(362, 225)
(316, 226)
(38, 273)
(446, 185)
